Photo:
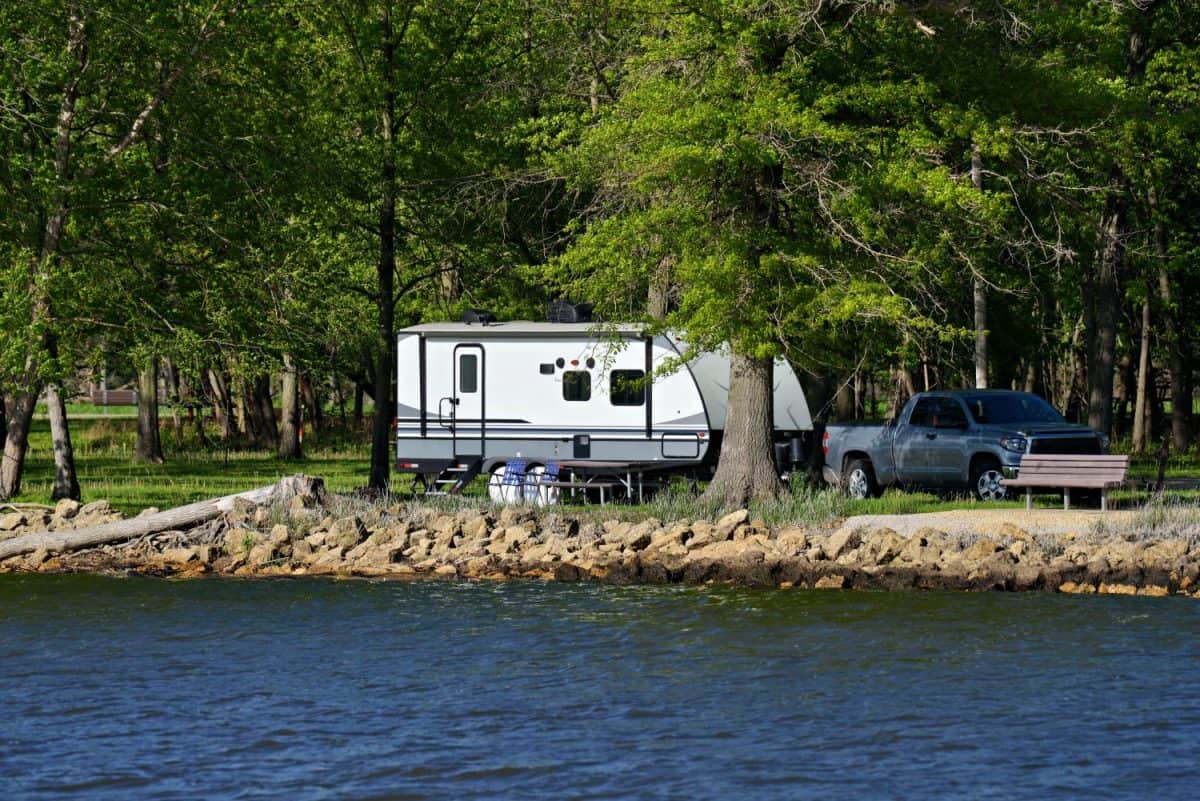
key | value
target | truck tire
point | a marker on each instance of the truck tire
(985, 480)
(859, 479)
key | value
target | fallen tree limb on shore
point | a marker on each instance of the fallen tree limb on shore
(181, 517)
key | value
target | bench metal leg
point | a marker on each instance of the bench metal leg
(1028, 498)
(1066, 498)
(1103, 500)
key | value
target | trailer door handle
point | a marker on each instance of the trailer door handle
(441, 415)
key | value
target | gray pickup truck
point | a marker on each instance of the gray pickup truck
(945, 441)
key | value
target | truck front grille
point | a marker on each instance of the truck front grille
(1087, 445)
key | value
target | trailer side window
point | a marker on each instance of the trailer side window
(577, 385)
(627, 388)
(468, 377)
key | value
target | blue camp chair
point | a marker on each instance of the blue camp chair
(512, 485)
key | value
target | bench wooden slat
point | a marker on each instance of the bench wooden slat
(1074, 474)
(1073, 483)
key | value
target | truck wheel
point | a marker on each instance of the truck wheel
(859, 479)
(985, 481)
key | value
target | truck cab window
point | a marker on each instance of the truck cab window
(950, 414)
(468, 376)
(626, 388)
(577, 385)
(922, 413)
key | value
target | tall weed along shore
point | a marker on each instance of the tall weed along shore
(1154, 551)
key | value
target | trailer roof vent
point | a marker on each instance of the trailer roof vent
(564, 311)
(480, 316)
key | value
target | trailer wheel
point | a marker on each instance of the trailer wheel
(859, 479)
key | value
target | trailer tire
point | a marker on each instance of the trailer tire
(859, 479)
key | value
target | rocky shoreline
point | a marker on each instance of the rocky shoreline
(1142, 553)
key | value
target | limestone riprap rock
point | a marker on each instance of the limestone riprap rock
(1164, 553)
(728, 524)
(791, 541)
(348, 531)
(12, 521)
(66, 509)
(981, 550)
(841, 541)
(884, 545)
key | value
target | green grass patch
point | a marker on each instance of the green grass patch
(104, 460)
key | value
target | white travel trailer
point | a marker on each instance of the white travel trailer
(474, 396)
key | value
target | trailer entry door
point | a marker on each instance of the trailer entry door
(469, 426)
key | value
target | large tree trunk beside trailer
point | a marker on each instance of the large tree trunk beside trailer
(289, 398)
(746, 470)
(385, 345)
(66, 483)
(3, 416)
(148, 447)
(16, 442)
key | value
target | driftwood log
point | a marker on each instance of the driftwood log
(181, 517)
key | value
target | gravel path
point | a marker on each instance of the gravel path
(990, 521)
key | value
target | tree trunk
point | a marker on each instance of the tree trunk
(66, 483)
(1104, 305)
(289, 399)
(222, 404)
(658, 301)
(148, 448)
(312, 400)
(3, 416)
(264, 412)
(979, 292)
(1181, 402)
(1143, 375)
(357, 413)
(385, 345)
(746, 470)
(16, 442)
(175, 399)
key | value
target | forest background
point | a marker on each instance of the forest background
(240, 202)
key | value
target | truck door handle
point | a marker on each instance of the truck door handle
(931, 435)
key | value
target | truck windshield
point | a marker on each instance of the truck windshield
(1017, 407)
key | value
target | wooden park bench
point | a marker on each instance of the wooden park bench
(114, 397)
(1070, 471)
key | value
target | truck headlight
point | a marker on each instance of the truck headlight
(1014, 444)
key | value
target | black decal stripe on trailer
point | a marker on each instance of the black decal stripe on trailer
(421, 380)
(649, 388)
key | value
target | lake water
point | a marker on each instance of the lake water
(313, 689)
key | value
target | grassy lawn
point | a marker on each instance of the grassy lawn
(104, 458)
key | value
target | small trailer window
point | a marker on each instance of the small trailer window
(627, 388)
(468, 378)
(577, 385)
